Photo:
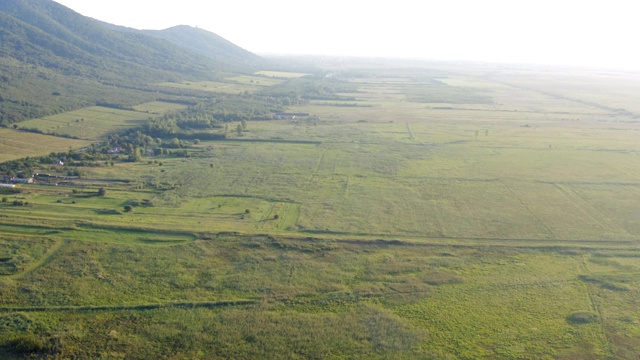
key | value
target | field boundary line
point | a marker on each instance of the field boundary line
(89, 308)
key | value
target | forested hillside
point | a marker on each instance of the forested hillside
(206, 43)
(53, 59)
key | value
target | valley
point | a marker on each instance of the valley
(476, 225)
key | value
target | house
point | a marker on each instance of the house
(22, 181)
(290, 116)
(116, 150)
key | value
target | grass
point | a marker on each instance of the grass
(230, 87)
(418, 301)
(88, 123)
(17, 144)
(280, 74)
(401, 228)
(159, 107)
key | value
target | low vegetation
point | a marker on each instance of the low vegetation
(439, 217)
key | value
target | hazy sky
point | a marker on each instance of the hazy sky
(600, 33)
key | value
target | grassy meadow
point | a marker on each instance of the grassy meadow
(96, 122)
(443, 213)
(17, 144)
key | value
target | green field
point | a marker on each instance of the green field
(159, 107)
(17, 144)
(88, 123)
(444, 213)
(228, 87)
(280, 74)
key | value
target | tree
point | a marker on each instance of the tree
(239, 129)
(102, 191)
(244, 124)
(134, 156)
(127, 208)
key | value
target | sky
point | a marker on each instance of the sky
(561, 32)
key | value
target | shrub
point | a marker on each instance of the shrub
(28, 343)
(582, 317)
(127, 208)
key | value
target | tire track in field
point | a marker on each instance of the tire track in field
(410, 130)
(550, 233)
(587, 209)
(595, 307)
(266, 219)
(314, 173)
(285, 216)
(48, 256)
(345, 193)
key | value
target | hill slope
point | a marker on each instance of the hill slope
(53, 59)
(205, 43)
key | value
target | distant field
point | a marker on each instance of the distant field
(232, 87)
(281, 74)
(432, 216)
(89, 123)
(18, 144)
(159, 107)
(255, 80)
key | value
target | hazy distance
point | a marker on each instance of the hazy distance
(577, 33)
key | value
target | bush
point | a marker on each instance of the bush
(102, 191)
(127, 208)
(28, 343)
(582, 317)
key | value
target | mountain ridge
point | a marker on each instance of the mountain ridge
(54, 59)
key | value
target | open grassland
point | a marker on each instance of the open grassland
(235, 85)
(159, 107)
(227, 87)
(280, 74)
(17, 144)
(456, 215)
(243, 296)
(255, 80)
(89, 123)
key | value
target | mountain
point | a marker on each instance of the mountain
(206, 43)
(53, 59)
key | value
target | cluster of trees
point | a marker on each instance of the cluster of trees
(212, 114)
(196, 122)
(301, 90)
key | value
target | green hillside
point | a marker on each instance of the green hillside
(206, 43)
(53, 59)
